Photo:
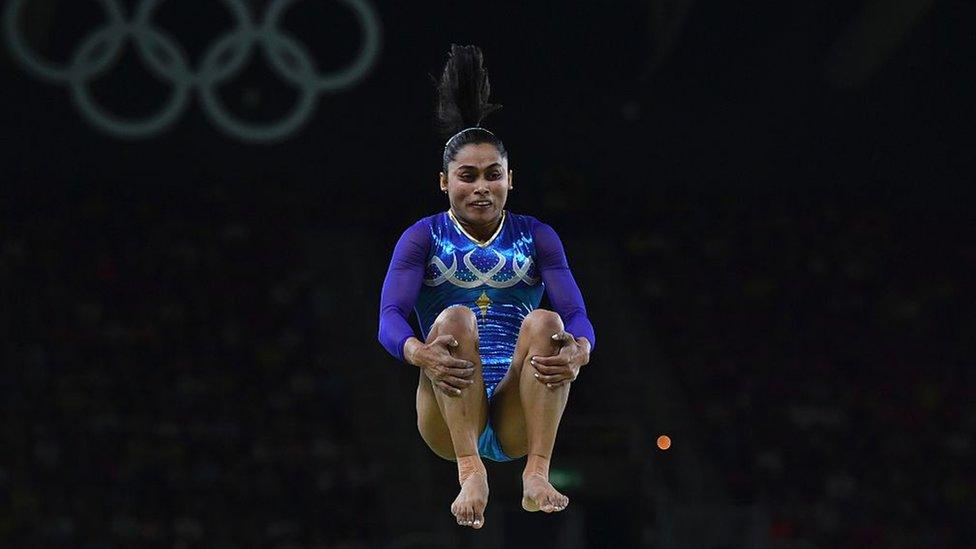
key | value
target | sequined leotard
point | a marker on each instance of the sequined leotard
(436, 265)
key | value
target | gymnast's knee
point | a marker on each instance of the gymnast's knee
(458, 321)
(542, 323)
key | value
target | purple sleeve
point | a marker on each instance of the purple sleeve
(561, 287)
(401, 286)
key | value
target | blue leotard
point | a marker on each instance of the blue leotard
(436, 265)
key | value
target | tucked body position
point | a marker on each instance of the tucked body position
(495, 370)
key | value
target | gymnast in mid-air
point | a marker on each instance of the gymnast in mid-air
(495, 370)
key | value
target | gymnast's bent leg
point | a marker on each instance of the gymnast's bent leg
(451, 424)
(526, 413)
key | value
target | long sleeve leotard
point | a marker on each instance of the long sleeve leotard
(436, 265)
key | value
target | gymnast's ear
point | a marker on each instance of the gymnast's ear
(443, 179)
(511, 177)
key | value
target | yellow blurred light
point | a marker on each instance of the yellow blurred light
(664, 442)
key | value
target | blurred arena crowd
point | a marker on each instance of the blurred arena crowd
(825, 347)
(176, 369)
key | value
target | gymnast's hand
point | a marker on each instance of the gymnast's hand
(447, 373)
(563, 367)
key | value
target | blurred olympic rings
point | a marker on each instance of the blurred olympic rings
(224, 58)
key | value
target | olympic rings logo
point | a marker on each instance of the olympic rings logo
(223, 59)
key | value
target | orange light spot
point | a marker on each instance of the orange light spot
(664, 442)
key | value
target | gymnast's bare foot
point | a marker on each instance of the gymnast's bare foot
(469, 507)
(537, 493)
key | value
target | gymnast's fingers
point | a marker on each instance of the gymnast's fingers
(562, 354)
(544, 361)
(551, 370)
(563, 337)
(457, 382)
(448, 390)
(459, 364)
(553, 378)
(446, 340)
(461, 371)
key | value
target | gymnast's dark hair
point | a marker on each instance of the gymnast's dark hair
(462, 102)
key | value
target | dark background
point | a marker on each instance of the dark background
(766, 206)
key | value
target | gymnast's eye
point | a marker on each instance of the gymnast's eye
(495, 175)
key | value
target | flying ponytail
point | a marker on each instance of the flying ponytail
(462, 102)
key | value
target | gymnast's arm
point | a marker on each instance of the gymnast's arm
(561, 287)
(400, 290)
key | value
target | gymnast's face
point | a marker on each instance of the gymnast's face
(477, 183)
